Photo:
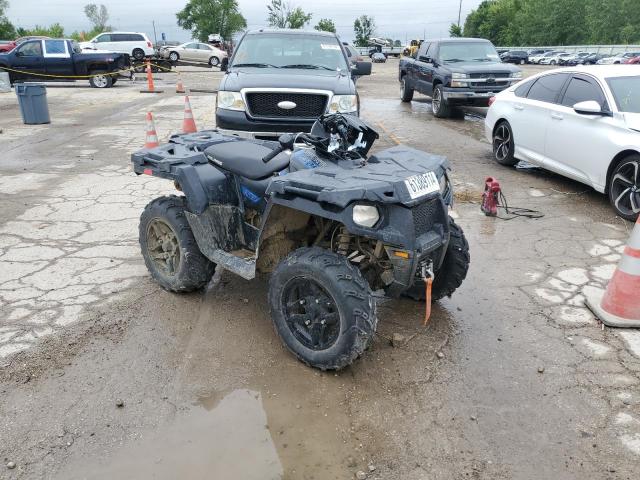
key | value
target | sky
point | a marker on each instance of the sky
(396, 19)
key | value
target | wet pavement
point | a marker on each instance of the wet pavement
(512, 378)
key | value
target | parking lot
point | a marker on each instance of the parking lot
(103, 371)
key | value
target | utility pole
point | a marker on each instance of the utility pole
(459, 12)
(155, 38)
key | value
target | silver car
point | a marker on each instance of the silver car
(195, 52)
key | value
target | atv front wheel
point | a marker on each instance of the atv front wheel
(453, 270)
(322, 308)
(169, 248)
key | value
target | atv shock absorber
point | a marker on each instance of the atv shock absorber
(344, 242)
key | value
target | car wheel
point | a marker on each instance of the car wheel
(406, 93)
(100, 80)
(503, 145)
(552, 62)
(439, 106)
(169, 248)
(624, 188)
(138, 54)
(322, 308)
(174, 57)
(214, 61)
(522, 62)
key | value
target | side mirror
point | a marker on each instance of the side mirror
(590, 107)
(224, 64)
(361, 68)
(425, 59)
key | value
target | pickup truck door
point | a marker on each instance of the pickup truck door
(28, 58)
(57, 58)
(425, 69)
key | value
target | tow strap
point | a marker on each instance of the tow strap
(427, 276)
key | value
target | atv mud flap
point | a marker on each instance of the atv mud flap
(219, 230)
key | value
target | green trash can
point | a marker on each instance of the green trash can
(32, 98)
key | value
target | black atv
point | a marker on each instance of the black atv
(329, 223)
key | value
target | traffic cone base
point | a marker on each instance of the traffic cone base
(151, 139)
(179, 86)
(619, 304)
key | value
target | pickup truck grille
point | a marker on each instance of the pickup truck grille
(265, 104)
(489, 75)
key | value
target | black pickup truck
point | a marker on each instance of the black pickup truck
(280, 81)
(62, 60)
(455, 72)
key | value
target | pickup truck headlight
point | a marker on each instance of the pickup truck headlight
(343, 104)
(516, 75)
(365, 215)
(230, 101)
(455, 80)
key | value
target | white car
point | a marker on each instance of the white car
(580, 122)
(554, 59)
(617, 59)
(537, 58)
(135, 44)
(194, 52)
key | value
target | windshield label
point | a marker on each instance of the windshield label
(324, 46)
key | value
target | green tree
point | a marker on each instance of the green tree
(364, 28)
(326, 25)
(455, 30)
(97, 15)
(54, 31)
(282, 14)
(205, 17)
(7, 31)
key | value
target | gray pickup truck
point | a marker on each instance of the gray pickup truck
(455, 72)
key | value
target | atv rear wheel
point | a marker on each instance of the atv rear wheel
(322, 308)
(169, 249)
(453, 270)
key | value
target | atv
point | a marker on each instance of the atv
(334, 226)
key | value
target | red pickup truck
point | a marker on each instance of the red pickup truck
(7, 45)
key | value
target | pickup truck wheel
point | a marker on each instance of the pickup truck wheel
(214, 61)
(322, 308)
(174, 57)
(169, 248)
(100, 80)
(453, 270)
(406, 93)
(503, 145)
(138, 54)
(439, 106)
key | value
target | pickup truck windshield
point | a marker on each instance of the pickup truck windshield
(281, 50)
(468, 52)
(626, 91)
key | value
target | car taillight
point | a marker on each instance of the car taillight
(491, 100)
(149, 45)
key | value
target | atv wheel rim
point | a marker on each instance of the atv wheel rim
(625, 188)
(501, 142)
(100, 81)
(163, 247)
(435, 101)
(310, 313)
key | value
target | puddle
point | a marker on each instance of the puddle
(226, 438)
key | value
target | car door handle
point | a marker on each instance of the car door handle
(518, 107)
(557, 116)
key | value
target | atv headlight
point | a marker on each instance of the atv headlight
(230, 101)
(365, 215)
(343, 104)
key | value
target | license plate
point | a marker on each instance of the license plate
(420, 185)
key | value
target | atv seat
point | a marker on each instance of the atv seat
(245, 159)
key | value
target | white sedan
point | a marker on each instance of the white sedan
(194, 52)
(581, 122)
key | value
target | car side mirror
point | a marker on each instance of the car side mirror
(224, 64)
(19, 54)
(590, 107)
(361, 68)
(425, 59)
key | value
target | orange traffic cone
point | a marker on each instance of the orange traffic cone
(151, 140)
(188, 124)
(619, 304)
(150, 86)
(179, 86)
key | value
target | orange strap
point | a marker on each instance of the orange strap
(427, 285)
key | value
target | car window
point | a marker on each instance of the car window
(204, 46)
(193, 46)
(31, 49)
(136, 38)
(104, 38)
(55, 47)
(423, 49)
(523, 89)
(546, 88)
(626, 92)
(581, 90)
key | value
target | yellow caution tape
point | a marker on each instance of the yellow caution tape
(130, 69)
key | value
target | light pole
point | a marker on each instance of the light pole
(459, 12)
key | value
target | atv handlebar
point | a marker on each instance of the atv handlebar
(286, 143)
(273, 154)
